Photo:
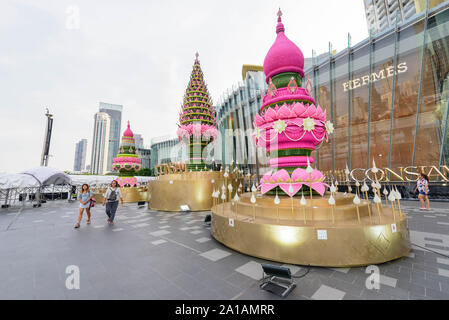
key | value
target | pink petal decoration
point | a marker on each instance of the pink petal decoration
(284, 112)
(266, 177)
(258, 120)
(299, 175)
(311, 111)
(286, 186)
(319, 113)
(299, 109)
(316, 175)
(281, 176)
(265, 187)
(270, 115)
(319, 187)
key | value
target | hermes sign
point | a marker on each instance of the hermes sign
(375, 76)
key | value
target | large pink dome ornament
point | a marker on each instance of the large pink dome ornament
(290, 125)
(128, 132)
(284, 55)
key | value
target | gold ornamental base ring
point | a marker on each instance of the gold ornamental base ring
(169, 192)
(314, 234)
(130, 194)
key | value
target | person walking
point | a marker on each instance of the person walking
(111, 199)
(84, 197)
(422, 185)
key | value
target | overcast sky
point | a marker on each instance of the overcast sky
(138, 54)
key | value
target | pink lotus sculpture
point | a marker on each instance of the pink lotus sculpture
(123, 181)
(290, 125)
(197, 130)
(298, 178)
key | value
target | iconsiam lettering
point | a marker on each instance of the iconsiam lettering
(401, 174)
(375, 76)
(168, 168)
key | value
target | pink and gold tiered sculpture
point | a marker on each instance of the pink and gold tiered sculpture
(189, 186)
(127, 161)
(197, 119)
(291, 218)
(290, 125)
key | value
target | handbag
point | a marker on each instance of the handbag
(93, 201)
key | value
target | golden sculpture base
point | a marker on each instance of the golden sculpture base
(169, 192)
(315, 234)
(130, 194)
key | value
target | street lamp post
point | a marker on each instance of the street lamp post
(47, 138)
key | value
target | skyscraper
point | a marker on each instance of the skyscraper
(139, 140)
(101, 143)
(381, 14)
(115, 113)
(80, 155)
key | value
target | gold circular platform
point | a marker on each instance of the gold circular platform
(169, 192)
(130, 194)
(278, 233)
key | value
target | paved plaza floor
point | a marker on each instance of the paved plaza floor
(160, 255)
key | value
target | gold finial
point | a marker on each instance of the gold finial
(279, 13)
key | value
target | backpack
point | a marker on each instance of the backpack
(112, 196)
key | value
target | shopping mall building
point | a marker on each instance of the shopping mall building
(387, 97)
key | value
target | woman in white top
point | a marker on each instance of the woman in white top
(84, 197)
(111, 198)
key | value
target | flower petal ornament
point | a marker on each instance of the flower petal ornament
(333, 188)
(279, 126)
(276, 199)
(331, 200)
(364, 187)
(298, 178)
(308, 124)
(329, 127)
(303, 200)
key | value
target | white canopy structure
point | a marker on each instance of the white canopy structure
(36, 177)
(101, 180)
(43, 183)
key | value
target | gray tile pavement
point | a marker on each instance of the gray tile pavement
(160, 255)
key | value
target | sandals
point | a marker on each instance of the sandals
(77, 226)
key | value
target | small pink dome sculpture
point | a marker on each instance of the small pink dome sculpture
(283, 56)
(128, 132)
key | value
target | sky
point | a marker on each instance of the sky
(70, 55)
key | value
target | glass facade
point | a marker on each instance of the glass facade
(164, 150)
(235, 115)
(388, 97)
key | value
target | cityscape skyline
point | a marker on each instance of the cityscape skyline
(76, 63)
(80, 155)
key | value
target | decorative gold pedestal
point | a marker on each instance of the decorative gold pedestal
(130, 194)
(279, 233)
(169, 192)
